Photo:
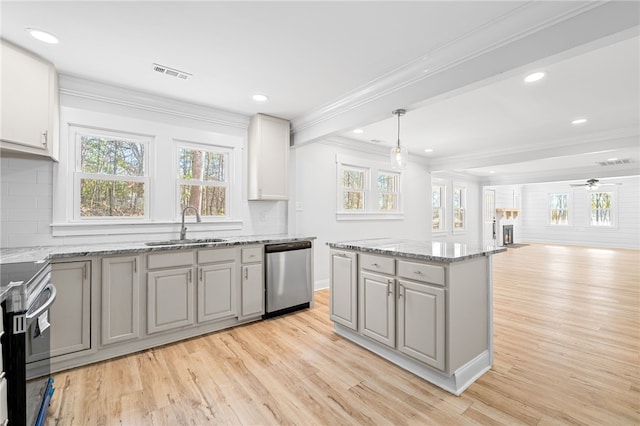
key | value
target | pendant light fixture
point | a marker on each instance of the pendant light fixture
(399, 153)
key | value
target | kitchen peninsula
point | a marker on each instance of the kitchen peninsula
(425, 306)
(114, 299)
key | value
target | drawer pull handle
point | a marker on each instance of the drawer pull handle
(417, 272)
(375, 264)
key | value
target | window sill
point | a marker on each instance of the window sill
(369, 216)
(130, 228)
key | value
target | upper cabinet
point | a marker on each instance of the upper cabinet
(29, 108)
(268, 158)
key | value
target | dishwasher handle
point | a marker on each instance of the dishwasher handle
(296, 245)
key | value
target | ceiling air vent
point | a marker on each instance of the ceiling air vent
(615, 162)
(171, 72)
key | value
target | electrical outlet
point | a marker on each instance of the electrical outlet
(298, 206)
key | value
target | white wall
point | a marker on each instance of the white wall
(28, 184)
(624, 234)
(315, 193)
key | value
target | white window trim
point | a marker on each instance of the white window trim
(569, 208)
(231, 190)
(444, 229)
(371, 211)
(161, 218)
(614, 209)
(463, 207)
(77, 174)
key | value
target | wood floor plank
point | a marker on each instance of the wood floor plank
(567, 351)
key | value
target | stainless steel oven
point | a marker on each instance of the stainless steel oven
(26, 308)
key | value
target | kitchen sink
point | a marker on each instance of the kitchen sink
(186, 241)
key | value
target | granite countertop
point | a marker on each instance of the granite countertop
(32, 254)
(436, 251)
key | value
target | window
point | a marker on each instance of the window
(388, 191)
(353, 188)
(601, 208)
(111, 178)
(203, 181)
(459, 202)
(559, 209)
(366, 190)
(438, 203)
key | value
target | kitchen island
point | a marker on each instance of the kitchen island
(425, 306)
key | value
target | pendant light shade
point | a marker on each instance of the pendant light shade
(399, 153)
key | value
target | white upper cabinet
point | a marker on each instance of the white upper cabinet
(29, 108)
(268, 158)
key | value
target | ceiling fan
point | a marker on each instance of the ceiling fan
(593, 184)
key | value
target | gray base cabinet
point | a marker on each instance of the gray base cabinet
(217, 292)
(378, 308)
(169, 299)
(120, 299)
(70, 315)
(421, 326)
(252, 287)
(343, 302)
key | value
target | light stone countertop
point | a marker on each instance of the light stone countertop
(32, 254)
(435, 251)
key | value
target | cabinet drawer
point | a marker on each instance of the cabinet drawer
(253, 254)
(170, 259)
(421, 272)
(384, 265)
(216, 255)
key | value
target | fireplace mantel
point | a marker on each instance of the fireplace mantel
(509, 213)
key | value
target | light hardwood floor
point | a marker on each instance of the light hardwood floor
(567, 351)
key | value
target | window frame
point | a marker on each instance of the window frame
(462, 208)
(550, 209)
(372, 193)
(443, 206)
(613, 210)
(78, 174)
(227, 184)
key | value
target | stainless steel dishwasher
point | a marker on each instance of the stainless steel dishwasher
(288, 284)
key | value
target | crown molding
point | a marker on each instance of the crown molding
(81, 88)
(527, 33)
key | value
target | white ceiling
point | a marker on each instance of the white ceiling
(332, 66)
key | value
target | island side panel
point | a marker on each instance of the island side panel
(467, 325)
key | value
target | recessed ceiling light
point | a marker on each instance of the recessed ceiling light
(358, 131)
(492, 171)
(612, 159)
(428, 150)
(43, 36)
(579, 121)
(534, 77)
(259, 97)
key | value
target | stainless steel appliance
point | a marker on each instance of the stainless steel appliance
(288, 283)
(29, 297)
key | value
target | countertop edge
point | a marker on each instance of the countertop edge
(416, 256)
(26, 254)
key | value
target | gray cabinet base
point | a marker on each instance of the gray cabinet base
(460, 380)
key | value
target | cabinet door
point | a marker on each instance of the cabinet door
(268, 158)
(27, 99)
(421, 319)
(344, 289)
(377, 302)
(252, 291)
(120, 299)
(70, 314)
(169, 299)
(217, 292)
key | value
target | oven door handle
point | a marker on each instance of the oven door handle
(46, 305)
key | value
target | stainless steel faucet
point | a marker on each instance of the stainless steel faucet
(183, 230)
